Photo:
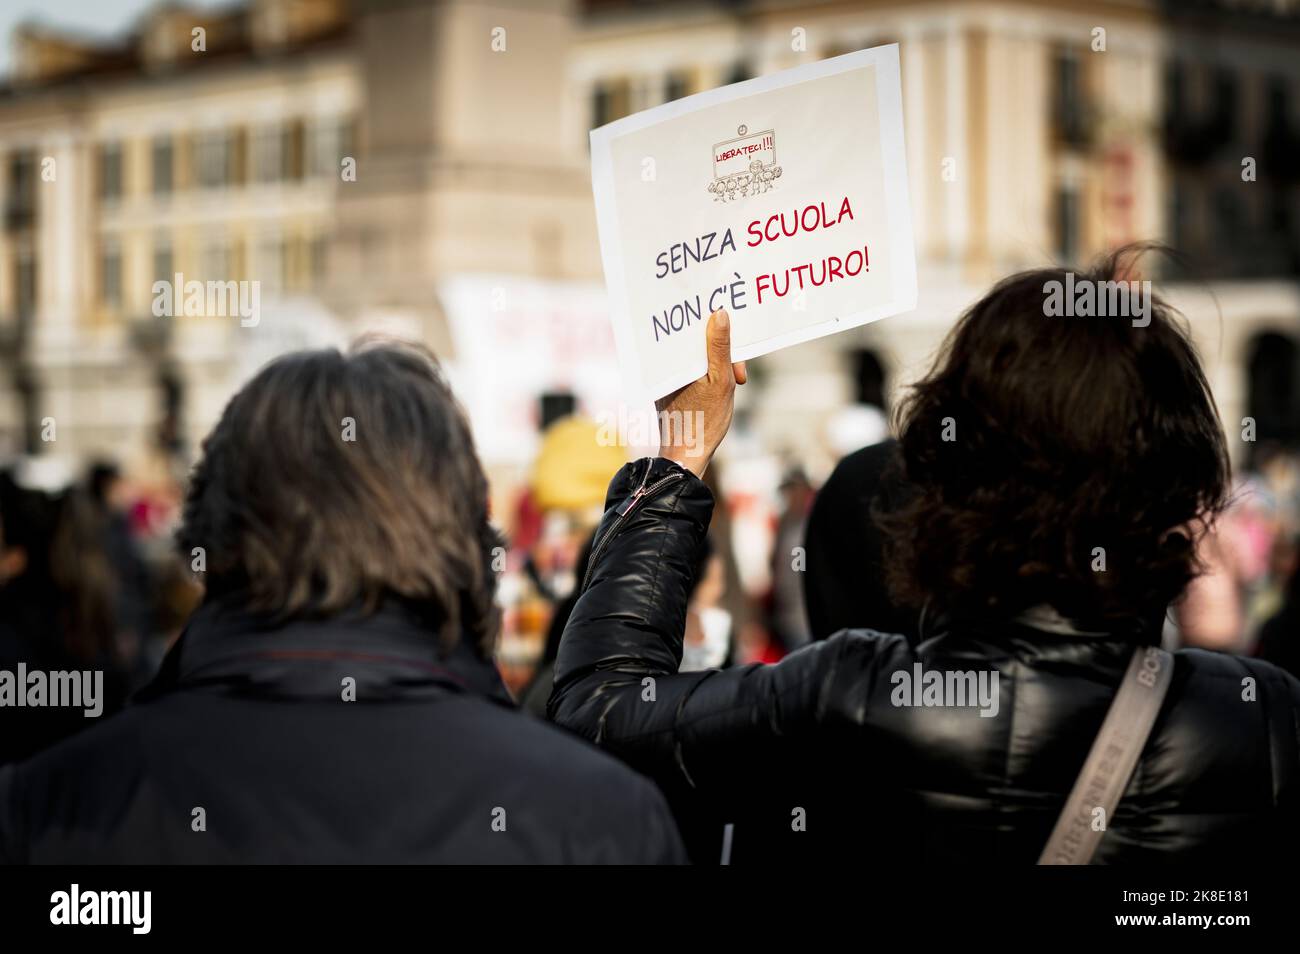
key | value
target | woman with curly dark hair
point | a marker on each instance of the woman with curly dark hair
(1062, 462)
(1058, 472)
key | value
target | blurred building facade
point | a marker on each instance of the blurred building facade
(1031, 137)
(128, 164)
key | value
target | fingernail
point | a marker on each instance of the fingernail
(724, 320)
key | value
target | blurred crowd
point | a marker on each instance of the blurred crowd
(90, 577)
(89, 580)
(1247, 600)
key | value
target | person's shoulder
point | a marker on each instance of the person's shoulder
(551, 754)
(1212, 664)
(552, 762)
(869, 645)
(850, 670)
(1215, 672)
(598, 807)
(1231, 698)
(1230, 721)
(851, 650)
(81, 774)
(100, 750)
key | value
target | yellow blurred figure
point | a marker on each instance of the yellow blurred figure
(574, 466)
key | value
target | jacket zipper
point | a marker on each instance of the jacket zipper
(624, 509)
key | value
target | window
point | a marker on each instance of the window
(326, 147)
(610, 100)
(295, 264)
(268, 164)
(1068, 105)
(110, 171)
(740, 71)
(162, 259)
(215, 158)
(215, 260)
(1067, 224)
(677, 86)
(347, 139)
(319, 260)
(163, 165)
(110, 274)
(292, 151)
(270, 263)
(238, 152)
(1273, 391)
(1225, 104)
(21, 208)
(25, 283)
(1228, 219)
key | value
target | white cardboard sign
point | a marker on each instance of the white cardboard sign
(782, 199)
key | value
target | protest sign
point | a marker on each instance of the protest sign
(782, 199)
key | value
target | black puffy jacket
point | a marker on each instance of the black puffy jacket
(429, 762)
(811, 758)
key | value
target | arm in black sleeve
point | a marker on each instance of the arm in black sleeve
(616, 678)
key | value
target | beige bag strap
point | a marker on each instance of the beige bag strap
(1112, 760)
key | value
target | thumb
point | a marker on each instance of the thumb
(718, 333)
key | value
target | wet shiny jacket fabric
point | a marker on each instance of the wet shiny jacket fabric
(834, 753)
